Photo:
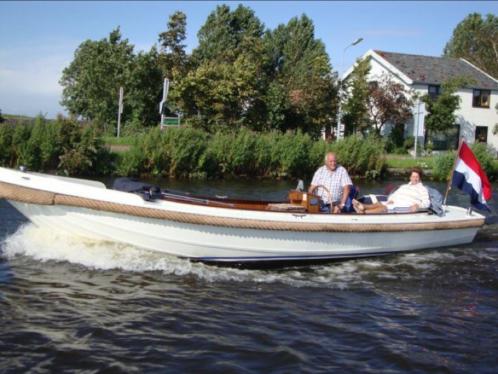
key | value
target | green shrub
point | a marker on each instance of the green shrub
(242, 153)
(7, 156)
(131, 162)
(292, 150)
(155, 148)
(263, 153)
(409, 142)
(317, 153)
(443, 164)
(43, 148)
(83, 151)
(486, 155)
(361, 157)
(214, 162)
(20, 138)
(186, 147)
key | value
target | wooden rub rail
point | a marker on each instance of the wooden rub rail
(25, 195)
(33, 196)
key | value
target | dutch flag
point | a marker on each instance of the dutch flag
(471, 178)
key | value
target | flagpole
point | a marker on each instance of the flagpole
(448, 187)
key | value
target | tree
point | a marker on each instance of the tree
(173, 58)
(91, 82)
(226, 34)
(223, 83)
(441, 110)
(301, 89)
(1, 117)
(355, 91)
(388, 101)
(476, 40)
(144, 87)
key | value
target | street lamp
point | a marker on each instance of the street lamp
(356, 42)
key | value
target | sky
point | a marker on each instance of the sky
(38, 39)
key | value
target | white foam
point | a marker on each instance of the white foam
(49, 245)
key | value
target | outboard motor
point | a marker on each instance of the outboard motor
(145, 190)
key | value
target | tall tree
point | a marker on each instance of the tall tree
(91, 82)
(355, 93)
(476, 40)
(1, 118)
(226, 34)
(223, 83)
(173, 58)
(144, 86)
(441, 109)
(388, 102)
(301, 89)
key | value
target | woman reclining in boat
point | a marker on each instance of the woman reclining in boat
(410, 197)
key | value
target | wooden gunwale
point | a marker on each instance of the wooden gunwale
(34, 196)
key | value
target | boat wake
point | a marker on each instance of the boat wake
(46, 245)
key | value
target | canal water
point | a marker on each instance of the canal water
(73, 305)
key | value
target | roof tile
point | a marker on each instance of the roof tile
(436, 70)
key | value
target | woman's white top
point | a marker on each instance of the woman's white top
(410, 194)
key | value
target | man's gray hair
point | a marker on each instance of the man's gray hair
(328, 153)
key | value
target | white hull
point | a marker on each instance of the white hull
(211, 243)
(222, 243)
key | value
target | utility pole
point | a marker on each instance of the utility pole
(417, 124)
(340, 128)
(120, 109)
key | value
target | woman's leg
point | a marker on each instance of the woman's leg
(369, 208)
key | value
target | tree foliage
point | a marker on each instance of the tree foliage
(476, 40)
(223, 84)
(144, 88)
(441, 110)
(91, 82)
(173, 58)
(355, 92)
(301, 89)
(388, 103)
(240, 75)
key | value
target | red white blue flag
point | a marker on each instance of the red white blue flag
(471, 178)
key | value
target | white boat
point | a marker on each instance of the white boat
(222, 230)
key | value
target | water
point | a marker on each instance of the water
(72, 305)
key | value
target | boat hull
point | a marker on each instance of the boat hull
(212, 243)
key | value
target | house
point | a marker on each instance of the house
(477, 117)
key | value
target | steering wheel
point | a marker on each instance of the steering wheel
(329, 200)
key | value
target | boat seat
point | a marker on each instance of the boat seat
(372, 199)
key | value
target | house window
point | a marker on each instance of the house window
(481, 134)
(443, 141)
(481, 98)
(434, 91)
(373, 85)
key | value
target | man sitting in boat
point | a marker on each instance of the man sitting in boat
(410, 197)
(332, 184)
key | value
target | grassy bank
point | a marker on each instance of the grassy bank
(408, 162)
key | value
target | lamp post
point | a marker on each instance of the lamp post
(338, 132)
(417, 124)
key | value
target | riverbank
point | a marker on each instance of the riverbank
(73, 148)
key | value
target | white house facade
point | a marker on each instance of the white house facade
(477, 117)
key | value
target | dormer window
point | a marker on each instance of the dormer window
(434, 91)
(480, 98)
